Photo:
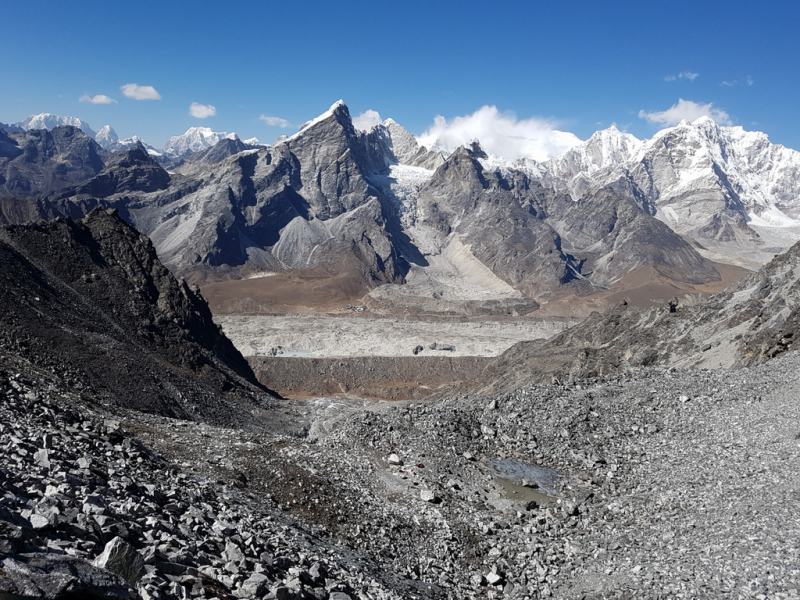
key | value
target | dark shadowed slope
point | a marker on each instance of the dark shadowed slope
(90, 299)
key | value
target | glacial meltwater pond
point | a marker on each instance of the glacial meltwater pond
(522, 482)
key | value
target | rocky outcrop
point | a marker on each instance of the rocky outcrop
(399, 146)
(92, 296)
(225, 148)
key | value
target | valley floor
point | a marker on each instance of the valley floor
(365, 335)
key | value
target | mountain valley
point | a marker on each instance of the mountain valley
(348, 366)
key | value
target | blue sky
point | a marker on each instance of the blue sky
(575, 65)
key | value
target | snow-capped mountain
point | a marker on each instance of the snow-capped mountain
(729, 189)
(49, 121)
(194, 140)
(682, 159)
(591, 161)
(109, 140)
(106, 137)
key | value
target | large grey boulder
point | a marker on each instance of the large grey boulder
(121, 558)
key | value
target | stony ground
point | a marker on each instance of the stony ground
(672, 484)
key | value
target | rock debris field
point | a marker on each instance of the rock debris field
(670, 484)
(325, 336)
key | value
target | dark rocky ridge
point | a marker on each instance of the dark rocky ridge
(132, 170)
(91, 298)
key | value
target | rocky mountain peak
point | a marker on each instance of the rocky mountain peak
(40, 161)
(131, 170)
(106, 137)
(474, 149)
(195, 139)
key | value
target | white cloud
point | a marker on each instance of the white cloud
(98, 99)
(685, 75)
(202, 111)
(501, 134)
(140, 92)
(730, 83)
(275, 121)
(749, 80)
(686, 109)
(367, 120)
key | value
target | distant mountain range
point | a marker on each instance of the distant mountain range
(196, 139)
(466, 228)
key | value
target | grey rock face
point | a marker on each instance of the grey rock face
(541, 241)
(225, 148)
(400, 146)
(132, 170)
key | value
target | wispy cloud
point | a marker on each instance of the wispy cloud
(140, 92)
(275, 121)
(202, 111)
(732, 82)
(98, 99)
(501, 134)
(685, 75)
(367, 120)
(686, 109)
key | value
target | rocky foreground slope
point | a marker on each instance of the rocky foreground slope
(668, 483)
(655, 482)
